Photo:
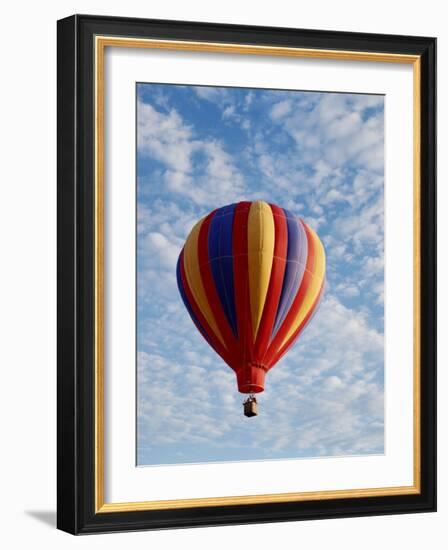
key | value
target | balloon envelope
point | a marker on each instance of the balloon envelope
(251, 276)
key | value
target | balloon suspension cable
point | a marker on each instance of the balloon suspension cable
(250, 406)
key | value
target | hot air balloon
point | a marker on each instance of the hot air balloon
(251, 276)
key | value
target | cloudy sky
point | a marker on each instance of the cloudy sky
(319, 155)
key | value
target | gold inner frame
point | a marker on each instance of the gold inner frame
(101, 42)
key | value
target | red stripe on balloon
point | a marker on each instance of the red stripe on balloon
(300, 329)
(210, 336)
(275, 284)
(273, 349)
(210, 289)
(241, 282)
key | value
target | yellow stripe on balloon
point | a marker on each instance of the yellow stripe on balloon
(194, 279)
(317, 279)
(261, 238)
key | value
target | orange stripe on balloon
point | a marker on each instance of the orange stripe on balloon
(194, 279)
(208, 333)
(300, 329)
(317, 278)
(278, 339)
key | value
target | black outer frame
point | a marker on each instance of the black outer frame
(75, 402)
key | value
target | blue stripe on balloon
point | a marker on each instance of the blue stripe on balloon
(220, 253)
(295, 266)
(186, 302)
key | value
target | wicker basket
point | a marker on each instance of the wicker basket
(250, 408)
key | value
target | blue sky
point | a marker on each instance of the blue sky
(319, 155)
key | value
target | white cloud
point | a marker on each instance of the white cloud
(347, 290)
(281, 109)
(213, 94)
(374, 265)
(161, 250)
(330, 136)
(332, 383)
(336, 130)
(165, 137)
(228, 112)
(332, 196)
(363, 227)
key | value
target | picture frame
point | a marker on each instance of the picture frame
(82, 41)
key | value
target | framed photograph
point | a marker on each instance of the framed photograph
(246, 274)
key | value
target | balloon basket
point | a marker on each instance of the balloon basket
(250, 406)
